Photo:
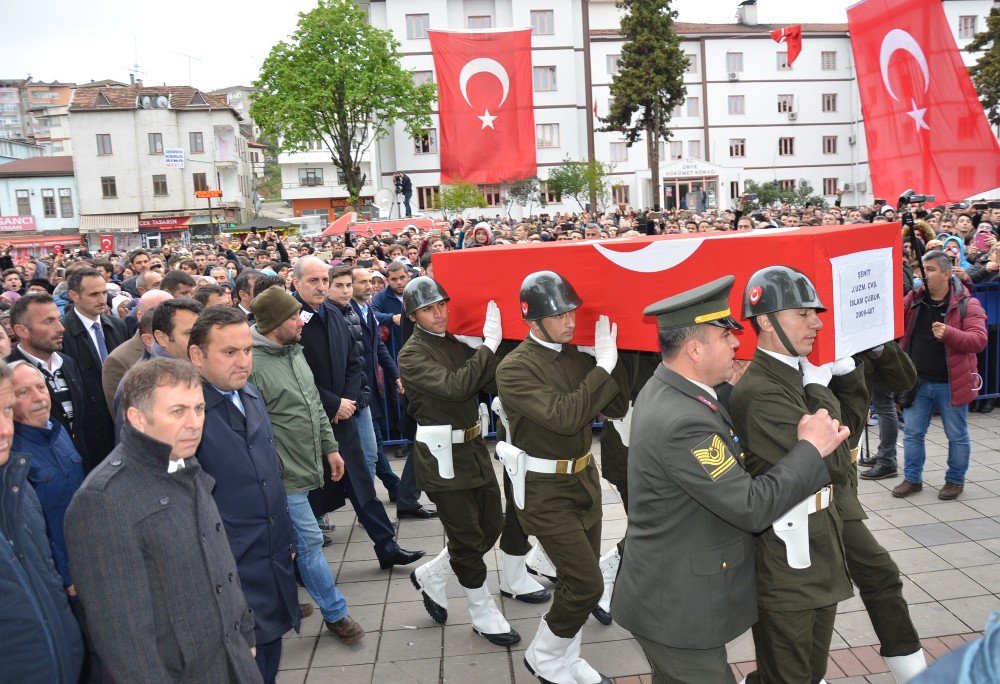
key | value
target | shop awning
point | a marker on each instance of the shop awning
(109, 223)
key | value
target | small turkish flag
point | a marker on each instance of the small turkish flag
(924, 124)
(791, 36)
(485, 105)
(107, 243)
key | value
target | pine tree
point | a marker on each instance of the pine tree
(986, 71)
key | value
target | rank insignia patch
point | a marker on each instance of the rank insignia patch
(714, 457)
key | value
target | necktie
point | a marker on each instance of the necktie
(102, 347)
(232, 397)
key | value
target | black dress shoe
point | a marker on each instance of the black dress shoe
(419, 512)
(540, 596)
(401, 557)
(603, 616)
(879, 472)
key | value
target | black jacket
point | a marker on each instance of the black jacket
(375, 353)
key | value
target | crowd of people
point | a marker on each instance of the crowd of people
(178, 422)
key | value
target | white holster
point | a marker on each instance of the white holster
(793, 529)
(624, 425)
(513, 460)
(484, 420)
(501, 414)
(438, 440)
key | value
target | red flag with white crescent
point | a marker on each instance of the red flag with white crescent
(924, 124)
(791, 36)
(485, 104)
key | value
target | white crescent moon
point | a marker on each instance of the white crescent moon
(483, 65)
(898, 39)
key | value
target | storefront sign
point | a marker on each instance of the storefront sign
(165, 223)
(346, 202)
(10, 224)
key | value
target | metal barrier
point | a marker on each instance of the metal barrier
(988, 295)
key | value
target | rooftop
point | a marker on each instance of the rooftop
(97, 98)
(38, 166)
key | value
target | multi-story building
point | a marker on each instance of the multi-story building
(47, 109)
(13, 149)
(39, 204)
(240, 98)
(140, 155)
(11, 115)
(315, 187)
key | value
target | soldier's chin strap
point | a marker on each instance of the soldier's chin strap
(781, 335)
(541, 326)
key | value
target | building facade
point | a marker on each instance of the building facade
(36, 113)
(315, 187)
(39, 205)
(240, 98)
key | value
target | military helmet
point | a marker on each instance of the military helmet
(420, 292)
(546, 293)
(777, 288)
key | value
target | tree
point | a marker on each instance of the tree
(582, 180)
(650, 79)
(771, 194)
(598, 184)
(986, 70)
(457, 197)
(338, 81)
(523, 193)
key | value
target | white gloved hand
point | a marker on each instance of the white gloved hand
(587, 350)
(493, 328)
(820, 375)
(470, 341)
(843, 366)
(606, 343)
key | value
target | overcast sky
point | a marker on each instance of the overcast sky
(74, 40)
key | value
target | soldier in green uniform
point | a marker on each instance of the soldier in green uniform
(686, 586)
(801, 567)
(443, 378)
(551, 393)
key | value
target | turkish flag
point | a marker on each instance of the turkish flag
(925, 126)
(791, 36)
(107, 243)
(485, 104)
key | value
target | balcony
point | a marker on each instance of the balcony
(314, 189)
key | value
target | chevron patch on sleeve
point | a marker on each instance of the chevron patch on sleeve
(714, 456)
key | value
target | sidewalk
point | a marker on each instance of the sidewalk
(948, 552)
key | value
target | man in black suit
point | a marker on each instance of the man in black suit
(91, 334)
(139, 263)
(35, 319)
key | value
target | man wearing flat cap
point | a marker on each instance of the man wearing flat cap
(687, 583)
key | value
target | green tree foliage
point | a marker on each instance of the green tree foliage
(650, 79)
(582, 180)
(523, 193)
(771, 193)
(986, 71)
(457, 197)
(338, 81)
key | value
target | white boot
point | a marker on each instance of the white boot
(487, 620)
(582, 671)
(556, 660)
(515, 583)
(609, 563)
(539, 564)
(905, 668)
(431, 579)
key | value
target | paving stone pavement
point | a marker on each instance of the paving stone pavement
(948, 553)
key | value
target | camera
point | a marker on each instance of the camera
(911, 197)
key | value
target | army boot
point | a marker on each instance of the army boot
(431, 579)
(487, 620)
(515, 583)
(609, 571)
(538, 563)
(905, 668)
(556, 660)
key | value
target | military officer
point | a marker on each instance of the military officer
(686, 585)
(801, 568)
(443, 378)
(551, 393)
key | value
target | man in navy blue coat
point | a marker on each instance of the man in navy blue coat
(237, 449)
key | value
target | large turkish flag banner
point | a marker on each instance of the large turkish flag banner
(925, 126)
(485, 104)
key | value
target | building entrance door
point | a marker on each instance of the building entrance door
(692, 194)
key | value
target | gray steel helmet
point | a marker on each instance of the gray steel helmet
(546, 293)
(777, 288)
(420, 292)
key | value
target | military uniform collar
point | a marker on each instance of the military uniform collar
(554, 346)
(790, 361)
(691, 389)
(792, 376)
(544, 349)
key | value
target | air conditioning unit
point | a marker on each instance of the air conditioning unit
(861, 187)
(848, 187)
(852, 140)
(793, 116)
(734, 75)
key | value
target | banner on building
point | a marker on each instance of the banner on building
(173, 157)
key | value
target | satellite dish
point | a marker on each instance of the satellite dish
(383, 200)
(162, 103)
(145, 102)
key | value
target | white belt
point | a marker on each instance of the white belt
(548, 465)
(820, 500)
(466, 435)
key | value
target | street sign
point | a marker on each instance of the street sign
(173, 157)
(205, 194)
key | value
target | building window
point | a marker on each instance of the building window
(310, 177)
(48, 203)
(491, 193)
(692, 106)
(196, 141)
(783, 64)
(829, 144)
(737, 104)
(737, 147)
(426, 143)
(545, 78)
(103, 143)
(967, 26)
(787, 184)
(734, 62)
(829, 186)
(619, 152)
(65, 203)
(341, 176)
(109, 189)
(828, 60)
(692, 67)
(549, 196)
(614, 64)
(316, 212)
(786, 146)
(427, 197)
(480, 22)
(422, 77)
(786, 103)
(542, 23)
(694, 149)
(734, 190)
(547, 135)
(676, 149)
(416, 26)
(155, 143)
(159, 185)
(200, 181)
(829, 102)
(619, 194)
(23, 203)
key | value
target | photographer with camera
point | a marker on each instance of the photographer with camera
(404, 187)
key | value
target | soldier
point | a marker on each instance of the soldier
(801, 569)
(443, 379)
(689, 549)
(551, 393)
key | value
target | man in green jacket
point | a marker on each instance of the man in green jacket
(304, 436)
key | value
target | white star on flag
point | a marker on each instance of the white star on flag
(487, 120)
(917, 114)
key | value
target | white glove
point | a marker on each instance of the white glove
(843, 366)
(606, 343)
(820, 375)
(587, 350)
(470, 341)
(493, 328)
